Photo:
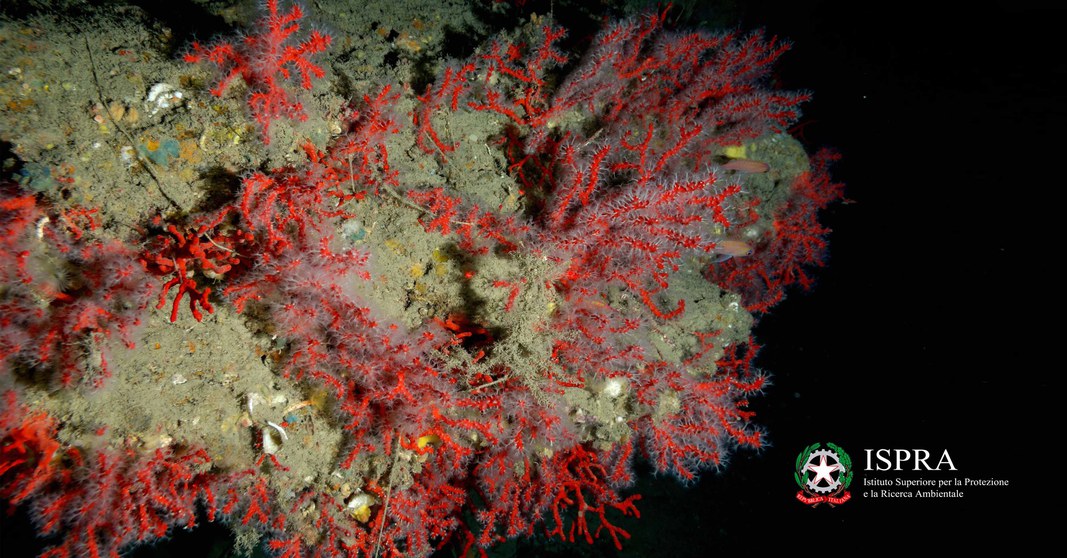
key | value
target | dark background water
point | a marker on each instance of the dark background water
(927, 329)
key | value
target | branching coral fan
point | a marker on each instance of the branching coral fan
(603, 316)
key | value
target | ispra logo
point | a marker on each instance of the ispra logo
(823, 475)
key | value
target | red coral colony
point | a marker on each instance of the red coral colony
(598, 315)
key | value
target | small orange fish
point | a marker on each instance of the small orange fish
(729, 248)
(747, 166)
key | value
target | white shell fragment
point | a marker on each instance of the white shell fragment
(279, 429)
(162, 96)
(359, 507)
(361, 499)
(128, 155)
(254, 399)
(273, 438)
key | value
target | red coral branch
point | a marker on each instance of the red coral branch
(264, 60)
(200, 251)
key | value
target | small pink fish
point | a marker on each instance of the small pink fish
(747, 166)
(729, 248)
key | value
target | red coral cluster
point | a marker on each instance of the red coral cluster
(460, 431)
(201, 250)
(623, 201)
(63, 291)
(623, 198)
(104, 501)
(263, 60)
(795, 242)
